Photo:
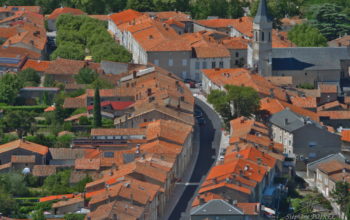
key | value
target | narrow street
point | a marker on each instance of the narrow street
(210, 134)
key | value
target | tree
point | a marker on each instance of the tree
(69, 50)
(235, 9)
(58, 183)
(10, 84)
(29, 76)
(201, 9)
(38, 215)
(64, 141)
(219, 100)
(86, 76)
(244, 100)
(140, 5)
(19, 120)
(341, 194)
(331, 22)
(305, 35)
(110, 52)
(49, 81)
(8, 204)
(74, 216)
(97, 109)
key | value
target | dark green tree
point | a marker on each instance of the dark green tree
(29, 76)
(235, 9)
(10, 84)
(38, 215)
(201, 9)
(140, 5)
(74, 216)
(341, 194)
(330, 20)
(58, 183)
(305, 35)
(68, 50)
(8, 204)
(97, 109)
(86, 76)
(20, 121)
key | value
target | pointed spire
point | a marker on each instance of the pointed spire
(262, 15)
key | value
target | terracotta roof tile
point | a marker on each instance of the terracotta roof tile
(280, 80)
(37, 65)
(77, 102)
(67, 202)
(206, 197)
(343, 114)
(58, 11)
(124, 16)
(56, 197)
(225, 185)
(330, 105)
(44, 170)
(333, 166)
(117, 131)
(20, 51)
(66, 153)
(342, 41)
(26, 145)
(345, 135)
(87, 164)
(175, 15)
(248, 208)
(304, 102)
(328, 88)
(76, 117)
(237, 43)
(22, 159)
(242, 126)
(62, 66)
(244, 25)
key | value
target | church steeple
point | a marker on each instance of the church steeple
(262, 15)
(262, 42)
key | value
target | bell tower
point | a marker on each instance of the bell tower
(262, 42)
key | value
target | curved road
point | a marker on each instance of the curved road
(210, 135)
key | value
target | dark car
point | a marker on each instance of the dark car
(198, 114)
(201, 121)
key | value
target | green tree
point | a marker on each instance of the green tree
(201, 9)
(330, 20)
(219, 100)
(86, 76)
(64, 141)
(341, 194)
(110, 52)
(244, 100)
(49, 81)
(19, 120)
(58, 183)
(97, 109)
(140, 5)
(10, 84)
(8, 204)
(68, 50)
(305, 35)
(29, 76)
(74, 216)
(38, 215)
(235, 9)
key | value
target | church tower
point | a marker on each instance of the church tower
(262, 42)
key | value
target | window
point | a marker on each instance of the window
(256, 36)
(197, 77)
(204, 64)
(170, 62)
(183, 74)
(198, 65)
(236, 62)
(237, 54)
(290, 143)
(221, 64)
(262, 36)
(156, 62)
(213, 65)
(108, 154)
(184, 62)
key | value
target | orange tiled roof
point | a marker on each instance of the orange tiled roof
(117, 131)
(280, 80)
(124, 16)
(292, 21)
(343, 114)
(38, 65)
(58, 11)
(253, 154)
(56, 197)
(274, 106)
(50, 109)
(330, 105)
(333, 166)
(243, 25)
(225, 185)
(62, 66)
(76, 117)
(87, 164)
(35, 9)
(18, 50)
(304, 102)
(342, 41)
(26, 145)
(206, 197)
(280, 40)
(328, 88)
(248, 208)
(345, 135)
(238, 43)
(77, 102)
(242, 126)
(174, 15)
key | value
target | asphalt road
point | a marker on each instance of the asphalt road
(210, 134)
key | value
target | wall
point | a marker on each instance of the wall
(283, 137)
(236, 60)
(5, 157)
(207, 63)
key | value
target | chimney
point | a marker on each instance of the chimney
(201, 200)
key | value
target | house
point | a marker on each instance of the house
(63, 70)
(217, 79)
(340, 42)
(116, 210)
(51, 19)
(68, 206)
(114, 108)
(39, 66)
(220, 209)
(303, 139)
(311, 167)
(11, 62)
(22, 152)
(64, 156)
